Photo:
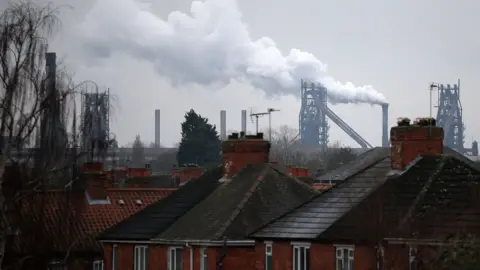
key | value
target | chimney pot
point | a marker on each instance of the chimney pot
(410, 141)
(237, 154)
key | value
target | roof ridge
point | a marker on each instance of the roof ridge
(424, 190)
(242, 203)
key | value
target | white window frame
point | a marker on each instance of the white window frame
(296, 247)
(172, 265)
(339, 256)
(268, 253)
(57, 265)
(114, 257)
(98, 265)
(203, 258)
(140, 258)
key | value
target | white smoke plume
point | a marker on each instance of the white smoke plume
(210, 45)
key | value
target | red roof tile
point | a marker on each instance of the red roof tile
(70, 220)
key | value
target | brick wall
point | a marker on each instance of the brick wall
(322, 257)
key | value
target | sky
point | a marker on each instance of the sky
(398, 48)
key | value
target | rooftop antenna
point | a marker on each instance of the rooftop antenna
(433, 86)
(269, 113)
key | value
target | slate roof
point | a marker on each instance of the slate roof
(330, 214)
(154, 219)
(254, 197)
(71, 222)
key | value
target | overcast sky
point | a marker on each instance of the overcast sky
(399, 47)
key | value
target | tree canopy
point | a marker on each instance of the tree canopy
(200, 143)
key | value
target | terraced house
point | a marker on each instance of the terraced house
(391, 209)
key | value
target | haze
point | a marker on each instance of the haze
(399, 48)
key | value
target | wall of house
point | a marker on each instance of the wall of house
(322, 257)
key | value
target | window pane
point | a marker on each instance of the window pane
(339, 264)
(307, 258)
(295, 259)
(114, 258)
(178, 259)
(203, 258)
(302, 258)
(268, 262)
(172, 259)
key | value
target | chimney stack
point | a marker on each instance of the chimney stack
(409, 141)
(96, 181)
(385, 141)
(244, 121)
(240, 150)
(223, 125)
(157, 128)
(190, 171)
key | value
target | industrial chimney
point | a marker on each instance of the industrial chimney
(385, 139)
(223, 125)
(244, 121)
(157, 128)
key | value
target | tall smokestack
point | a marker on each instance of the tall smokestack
(223, 125)
(385, 140)
(157, 128)
(244, 121)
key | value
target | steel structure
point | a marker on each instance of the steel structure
(449, 117)
(95, 126)
(313, 115)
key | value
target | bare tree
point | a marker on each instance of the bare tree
(29, 98)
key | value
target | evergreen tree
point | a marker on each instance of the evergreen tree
(200, 143)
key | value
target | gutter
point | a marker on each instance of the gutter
(206, 243)
(421, 242)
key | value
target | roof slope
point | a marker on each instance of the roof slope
(159, 216)
(71, 222)
(316, 216)
(254, 197)
(339, 213)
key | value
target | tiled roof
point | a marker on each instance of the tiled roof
(159, 216)
(340, 213)
(154, 181)
(70, 220)
(251, 199)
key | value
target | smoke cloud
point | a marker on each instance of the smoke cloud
(210, 45)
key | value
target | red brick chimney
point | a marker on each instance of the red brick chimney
(298, 171)
(238, 151)
(96, 180)
(412, 140)
(190, 171)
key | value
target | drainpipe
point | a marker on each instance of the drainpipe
(224, 254)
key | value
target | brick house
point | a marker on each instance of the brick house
(72, 219)
(205, 223)
(390, 209)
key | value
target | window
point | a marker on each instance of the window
(140, 258)
(203, 259)
(98, 265)
(175, 258)
(57, 265)
(344, 258)
(114, 257)
(268, 256)
(301, 257)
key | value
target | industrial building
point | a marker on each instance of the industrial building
(315, 113)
